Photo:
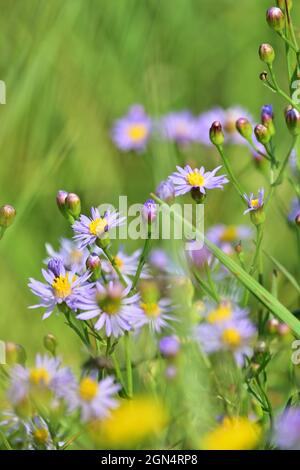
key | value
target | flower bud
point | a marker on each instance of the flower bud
(7, 215)
(238, 248)
(262, 134)
(267, 116)
(263, 76)
(276, 19)
(266, 53)
(292, 119)
(216, 133)
(198, 197)
(244, 127)
(50, 343)
(93, 264)
(149, 210)
(14, 353)
(272, 325)
(73, 205)
(283, 329)
(297, 219)
(166, 191)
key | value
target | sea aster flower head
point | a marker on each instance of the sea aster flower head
(287, 429)
(89, 230)
(111, 305)
(225, 236)
(72, 256)
(61, 287)
(186, 179)
(179, 127)
(166, 191)
(132, 132)
(46, 375)
(169, 346)
(155, 314)
(95, 399)
(149, 211)
(255, 203)
(159, 259)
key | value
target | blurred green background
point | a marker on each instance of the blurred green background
(71, 68)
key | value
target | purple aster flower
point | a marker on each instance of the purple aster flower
(132, 132)
(166, 191)
(198, 256)
(158, 259)
(61, 286)
(154, 314)
(255, 203)
(287, 429)
(149, 210)
(39, 435)
(234, 335)
(45, 375)
(294, 210)
(169, 346)
(185, 179)
(111, 304)
(179, 127)
(95, 399)
(90, 229)
(72, 256)
(225, 236)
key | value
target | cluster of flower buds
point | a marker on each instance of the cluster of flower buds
(69, 205)
(7, 216)
(292, 119)
(276, 328)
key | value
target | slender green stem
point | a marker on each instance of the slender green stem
(288, 42)
(211, 282)
(230, 172)
(2, 230)
(117, 369)
(280, 91)
(115, 266)
(142, 259)
(128, 364)
(205, 287)
(278, 179)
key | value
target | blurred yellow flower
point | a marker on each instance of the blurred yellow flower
(237, 433)
(131, 423)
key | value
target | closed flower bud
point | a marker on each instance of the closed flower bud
(262, 134)
(244, 127)
(73, 205)
(149, 210)
(267, 121)
(197, 195)
(93, 264)
(283, 329)
(260, 348)
(297, 219)
(7, 215)
(238, 248)
(216, 133)
(14, 353)
(50, 343)
(263, 76)
(292, 119)
(166, 191)
(276, 19)
(61, 201)
(272, 325)
(266, 53)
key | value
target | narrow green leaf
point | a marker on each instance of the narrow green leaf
(284, 271)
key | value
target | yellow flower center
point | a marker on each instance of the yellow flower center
(88, 389)
(118, 262)
(151, 309)
(221, 313)
(137, 132)
(229, 234)
(97, 227)
(39, 376)
(254, 203)
(62, 286)
(236, 433)
(231, 337)
(195, 179)
(41, 435)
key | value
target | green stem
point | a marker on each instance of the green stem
(143, 259)
(117, 369)
(211, 282)
(230, 172)
(128, 365)
(114, 265)
(281, 92)
(285, 162)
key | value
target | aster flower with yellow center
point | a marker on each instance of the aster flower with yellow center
(225, 236)
(133, 131)
(154, 314)
(237, 433)
(94, 399)
(179, 127)
(61, 287)
(90, 229)
(46, 375)
(187, 179)
(111, 304)
(255, 203)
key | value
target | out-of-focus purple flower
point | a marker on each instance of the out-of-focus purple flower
(94, 399)
(132, 131)
(149, 210)
(61, 286)
(179, 127)
(287, 429)
(46, 374)
(294, 210)
(169, 346)
(198, 256)
(225, 236)
(166, 191)
(154, 314)
(185, 179)
(127, 265)
(171, 372)
(90, 229)
(234, 335)
(224, 311)
(159, 259)
(255, 203)
(111, 304)
(71, 255)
